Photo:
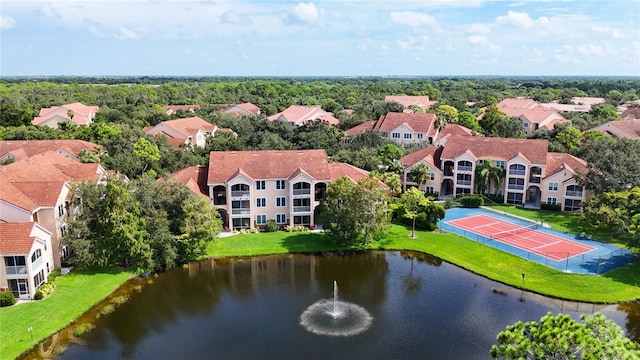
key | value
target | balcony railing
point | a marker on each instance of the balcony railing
(16, 270)
(535, 180)
(515, 187)
(517, 172)
(240, 193)
(297, 209)
(36, 264)
(573, 193)
(241, 211)
(464, 182)
(301, 191)
(465, 168)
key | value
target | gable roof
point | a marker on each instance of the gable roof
(82, 114)
(266, 164)
(631, 113)
(504, 149)
(516, 103)
(420, 123)
(246, 107)
(352, 173)
(17, 238)
(557, 162)
(367, 125)
(299, 114)
(194, 177)
(622, 128)
(172, 109)
(187, 126)
(430, 154)
(19, 148)
(455, 129)
(406, 101)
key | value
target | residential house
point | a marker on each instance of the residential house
(38, 189)
(172, 109)
(404, 129)
(533, 175)
(578, 104)
(422, 102)
(251, 187)
(629, 129)
(190, 131)
(76, 113)
(194, 178)
(26, 258)
(298, 115)
(631, 113)
(244, 109)
(531, 114)
(15, 150)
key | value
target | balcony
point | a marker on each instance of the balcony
(297, 192)
(535, 180)
(515, 187)
(299, 209)
(240, 193)
(16, 270)
(517, 172)
(573, 193)
(465, 168)
(36, 264)
(463, 182)
(241, 211)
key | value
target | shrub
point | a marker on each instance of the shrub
(39, 295)
(472, 201)
(552, 207)
(498, 199)
(295, 228)
(43, 291)
(271, 226)
(53, 275)
(448, 204)
(119, 300)
(82, 328)
(7, 298)
(107, 309)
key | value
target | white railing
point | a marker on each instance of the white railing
(16, 270)
(465, 168)
(301, 191)
(464, 182)
(515, 187)
(574, 193)
(240, 193)
(241, 211)
(301, 209)
(36, 264)
(517, 172)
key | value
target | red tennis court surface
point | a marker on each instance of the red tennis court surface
(527, 239)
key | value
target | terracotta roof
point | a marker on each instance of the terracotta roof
(267, 164)
(248, 107)
(34, 147)
(11, 194)
(406, 101)
(516, 103)
(423, 123)
(189, 126)
(82, 114)
(455, 129)
(631, 113)
(430, 154)
(42, 193)
(557, 162)
(195, 177)
(367, 125)
(496, 148)
(352, 173)
(299, 114)
(16, 238)
(630, 128)
(174, 108)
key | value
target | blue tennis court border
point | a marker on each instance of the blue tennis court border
(602, 258)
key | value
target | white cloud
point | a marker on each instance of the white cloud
(306, 12)
(590, 50)
(479, 29)
(7, 22)
(521, 19)
(478, 40)
(126, 34)
(232, 17)
(416, 43)
(414, 19)
(613, 32)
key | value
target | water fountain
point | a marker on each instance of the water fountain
(333, 317)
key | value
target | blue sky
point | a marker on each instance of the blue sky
(320, 38)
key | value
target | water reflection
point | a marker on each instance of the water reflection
(249, 307)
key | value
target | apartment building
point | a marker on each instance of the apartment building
(533, 176)
(532, 115)
(191, 131)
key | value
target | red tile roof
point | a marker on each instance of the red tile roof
(367, 125)
(353, 173)
(194, 177)
(267, 164)
(34, 147)
(496, 148)
(173, 108)
(557, 162)
(631, 113)
(422, 123)
(82, 114)
(299, 114)
(516, 103)
(430, 154)
(16, 238)
(455, 129)
(189, 126)
(248, 107)
(406, 101)
(630, 128)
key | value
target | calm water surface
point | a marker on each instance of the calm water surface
(250, 309)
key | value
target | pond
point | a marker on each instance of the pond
(248, 308)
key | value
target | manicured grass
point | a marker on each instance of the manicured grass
(75, 293)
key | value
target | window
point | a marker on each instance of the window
(574, 191)
(385, 134)
(261, 219)
(407, 136)
(395, 135)
(516, 184)
(36, 255)
(552, 201)
(572, 205)
(281, 218)
(432, 176)
(553, 186)
(429, 190)
(280, 185)
(260, 185)
(420, 136)
(525, 125)
(517, 169)
(281, 201)
(39, 278)
(60, 210)
(63, 230)
(500, 164)
(261, 202)
(464, 165)
(514, 198)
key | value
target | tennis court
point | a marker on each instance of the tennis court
(527, 238)
(522, 237)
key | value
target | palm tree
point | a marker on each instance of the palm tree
(487, 174)
(419, 174)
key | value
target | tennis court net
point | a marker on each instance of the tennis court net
(520, 230)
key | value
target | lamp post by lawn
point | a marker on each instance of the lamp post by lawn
(522, 293)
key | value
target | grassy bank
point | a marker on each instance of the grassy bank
(75, 293)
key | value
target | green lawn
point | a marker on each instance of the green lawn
(75, 293)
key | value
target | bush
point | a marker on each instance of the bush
(39, 295)
(53, 275)
(552, 207)
(448, 204)
(7, 298)
(472, 201)
(295, 228)
(498, 199)
(43, 291)
(271, 226)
